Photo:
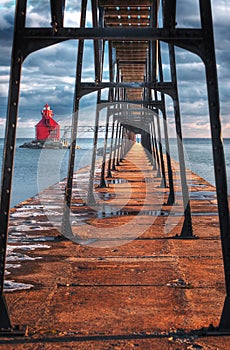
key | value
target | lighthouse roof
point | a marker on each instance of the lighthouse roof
(47, 114)
(46, 106)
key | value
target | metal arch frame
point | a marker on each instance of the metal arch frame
(198, 41)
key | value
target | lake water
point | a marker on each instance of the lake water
(51, 165)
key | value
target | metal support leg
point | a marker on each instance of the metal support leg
(153, 147)
(148, 146)
(115, 148)
(109, 174)
(66, 226)
(8, 163)
(218, 154)
(163, 181)
(121, 157)
(187, 225)
(119, 144)
(90, 196)
(156, 149)
(171, 197)
(102, 180)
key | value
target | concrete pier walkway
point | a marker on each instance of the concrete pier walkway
(129, 283)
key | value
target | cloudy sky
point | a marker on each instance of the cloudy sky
(48, 75)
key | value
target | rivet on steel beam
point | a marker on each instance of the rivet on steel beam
(14, 103)
(18, 59)
(13, 125)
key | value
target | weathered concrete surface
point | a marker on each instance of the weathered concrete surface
(129, 284)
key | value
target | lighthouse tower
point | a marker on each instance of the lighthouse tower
(47, 128)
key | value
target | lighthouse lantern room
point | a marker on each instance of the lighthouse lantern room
(47, 128)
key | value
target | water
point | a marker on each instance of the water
(36, 169)
(199, 158)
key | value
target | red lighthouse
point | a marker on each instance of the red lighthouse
(47, 128)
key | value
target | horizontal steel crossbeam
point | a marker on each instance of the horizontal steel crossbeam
(111, 34)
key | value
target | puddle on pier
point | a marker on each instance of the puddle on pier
(106, 196)
(192, 184)
(11, 286)
(205, 214)
(122, 181)
(110, 213)
(201, 195)
(78, 204)
(117, 181)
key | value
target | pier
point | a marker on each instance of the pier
(131, 281)
(133, 250)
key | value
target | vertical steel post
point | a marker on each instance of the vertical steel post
(111, 69)
(187, 225)
(218, 152)
(111, 97)
(156, 148)
(9, 148)
(171, 197)
(121, 155)
(152, 147)
(102, 178)
(143, 138)
(66, 227)
(163, 181)
(90, 195)
(119, 144)
(149, 146)
(109, 174)
(97, 51)
(98, 63)
(115, 148)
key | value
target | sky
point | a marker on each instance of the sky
(48, 75)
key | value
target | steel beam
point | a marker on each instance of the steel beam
(57, 13)
(69, 184)
(115, 148)
(119, 144)
(108, 33)
(90, 196)
(218, 153)
(102, 178)
(156, 149)
(169, 13)
(8, 161)
(187, 230)
(171, 197)
(163, 181)
(123, 3)
(109, 174)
